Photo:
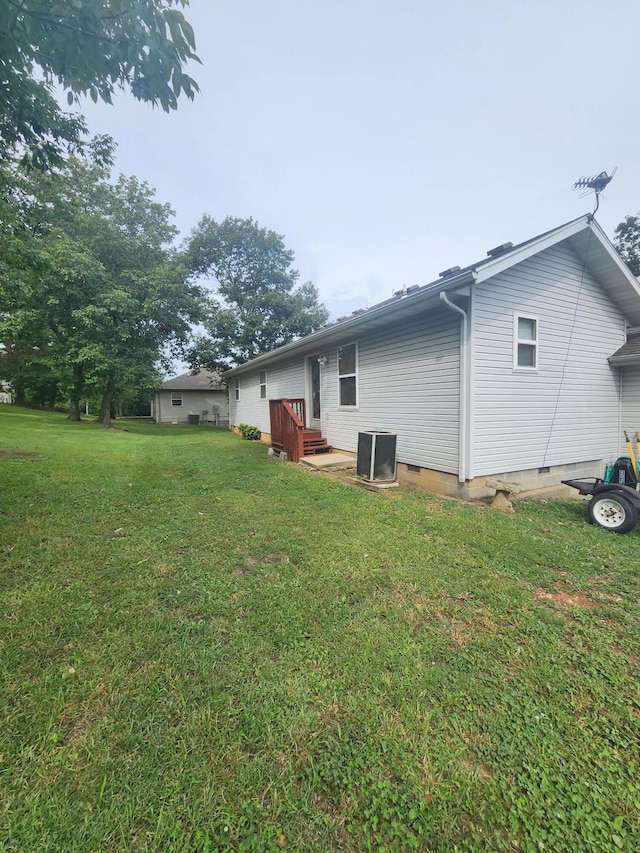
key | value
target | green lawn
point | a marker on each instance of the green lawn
(206, 649)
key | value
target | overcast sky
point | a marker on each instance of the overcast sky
(387, 141)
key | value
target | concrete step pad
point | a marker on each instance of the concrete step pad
(333, 461)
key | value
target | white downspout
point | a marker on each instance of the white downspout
(464, 383)
(620, 407)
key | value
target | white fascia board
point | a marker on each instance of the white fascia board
(510, 258)
(608, 246)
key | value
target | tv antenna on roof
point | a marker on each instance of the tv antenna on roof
(596, 183)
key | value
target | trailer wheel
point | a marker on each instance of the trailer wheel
(613, 512)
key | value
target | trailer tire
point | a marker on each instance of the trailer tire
(613, 511)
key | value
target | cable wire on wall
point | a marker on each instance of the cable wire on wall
(569, 342)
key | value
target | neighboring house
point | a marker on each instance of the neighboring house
(517, 367)
(191, 398)
(5, 392)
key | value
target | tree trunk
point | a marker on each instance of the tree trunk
(76, 393)
(74, 410)
(104, 417)
(21, 396)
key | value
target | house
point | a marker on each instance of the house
(517, 368)
(5, 392)
(192, 398)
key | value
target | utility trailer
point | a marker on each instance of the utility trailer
(614, 506)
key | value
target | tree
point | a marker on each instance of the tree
(87, 47)
(627, 242)
(97, 296)
(260, 307)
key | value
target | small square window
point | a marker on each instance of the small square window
(176, 398)
(525, 349)
(263, 384)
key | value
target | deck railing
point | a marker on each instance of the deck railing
(287, 426)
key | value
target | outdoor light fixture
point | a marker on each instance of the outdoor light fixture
(323, 361)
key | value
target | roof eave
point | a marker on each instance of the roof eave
(626, 290)
(624, 360)
(368, 317)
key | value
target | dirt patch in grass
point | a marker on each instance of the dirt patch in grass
(565, 599)
(251, 563)
(473, 768)
(24, 453)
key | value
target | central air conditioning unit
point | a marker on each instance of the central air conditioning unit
(377, 456)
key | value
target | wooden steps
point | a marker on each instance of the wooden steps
(289, 435)
(313, 442)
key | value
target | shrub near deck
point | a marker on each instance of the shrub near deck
(205, 649)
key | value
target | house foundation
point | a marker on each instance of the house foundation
(532, 482)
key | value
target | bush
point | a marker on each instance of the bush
(251, 433)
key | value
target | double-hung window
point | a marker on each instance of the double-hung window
(525, 342)
(348, 375)
(176, 398)
(263, 384)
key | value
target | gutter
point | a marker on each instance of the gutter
(339, 329)
(464, 385)
(624, 360)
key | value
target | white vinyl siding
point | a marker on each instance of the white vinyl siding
(285, 380)
(408, 384)
(568, 409)
(631, 399)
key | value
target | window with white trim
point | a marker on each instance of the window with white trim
(525, 342)
(263, 384)
(348, 374)
(237, 394)
(176, 398)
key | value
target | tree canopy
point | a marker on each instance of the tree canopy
(86, 47)
(259, 305)
(92, 295)
(627, 242)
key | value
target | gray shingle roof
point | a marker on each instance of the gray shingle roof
(204, 380)
(628, 353)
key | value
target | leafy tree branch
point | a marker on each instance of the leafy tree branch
(257, 304)
(627, 242)
(87, 47)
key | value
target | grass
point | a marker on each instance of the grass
(205, 649)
